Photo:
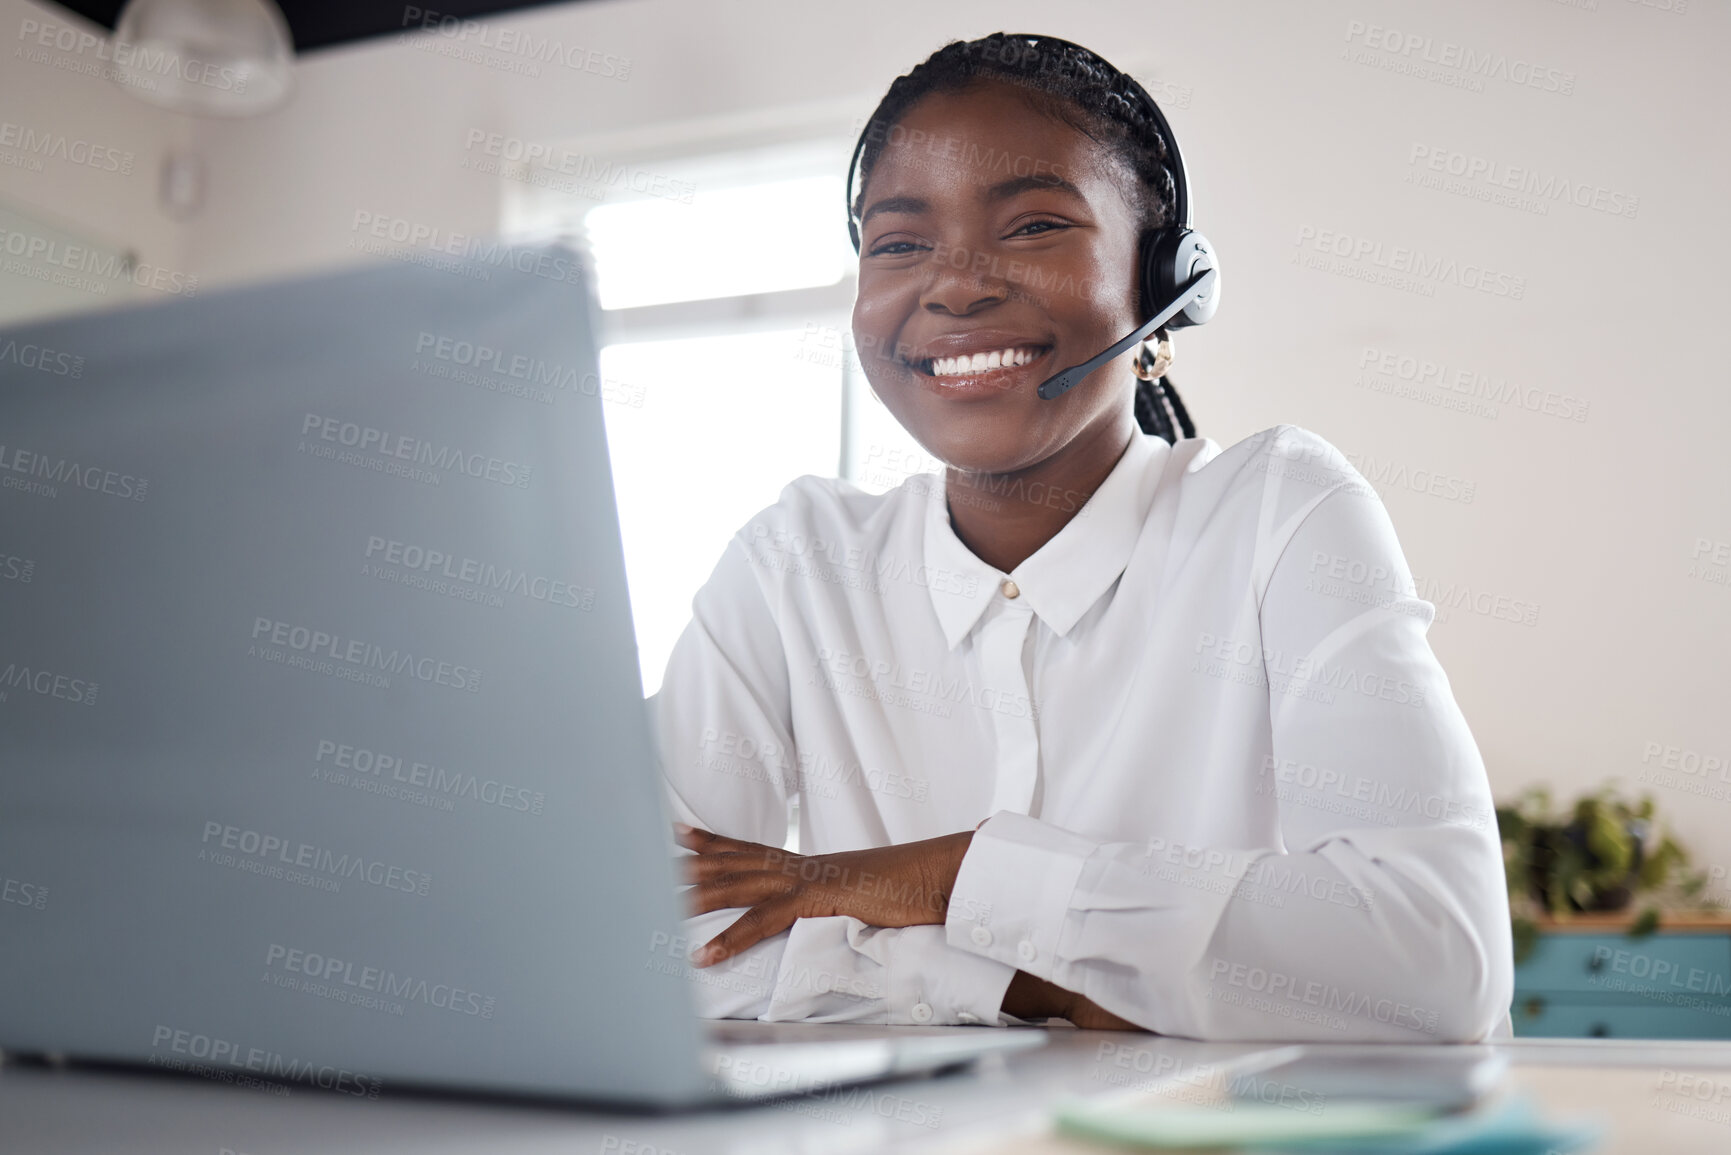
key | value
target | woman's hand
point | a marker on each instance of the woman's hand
(905, 885)
(1031, 997)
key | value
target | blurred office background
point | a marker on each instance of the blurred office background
(1543, 406)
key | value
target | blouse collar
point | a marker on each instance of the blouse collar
(1062, 579)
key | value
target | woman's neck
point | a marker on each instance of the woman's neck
(1004, 518)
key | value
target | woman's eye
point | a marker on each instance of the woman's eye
(1042, 226)
(893, 249)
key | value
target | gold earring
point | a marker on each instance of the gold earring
(1162, 358)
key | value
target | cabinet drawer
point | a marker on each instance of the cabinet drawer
(1676, 964)
(1538, 1016)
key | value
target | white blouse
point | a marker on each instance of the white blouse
(1230, 794)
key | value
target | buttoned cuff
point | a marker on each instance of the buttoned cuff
(932, 983)
(1012, 896)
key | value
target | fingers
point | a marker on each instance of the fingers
(708, 865)
(707, 842)
(752, 927)
(1091, 1016)
(740, 888)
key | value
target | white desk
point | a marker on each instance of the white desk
(1001, 1106)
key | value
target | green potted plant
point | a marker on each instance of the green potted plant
(1602, 854)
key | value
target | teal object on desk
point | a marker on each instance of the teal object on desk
(1508, 1126)
(1673, 984)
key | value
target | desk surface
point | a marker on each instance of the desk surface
(1651, 1096)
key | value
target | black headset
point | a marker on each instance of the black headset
(1179, 268)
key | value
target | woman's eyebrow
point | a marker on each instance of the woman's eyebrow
(896, 205)
(1005, 189)
(1002, 191)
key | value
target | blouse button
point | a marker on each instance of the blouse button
(1025, 951)
(921, 1012)
(981, 936)
(1011, 589)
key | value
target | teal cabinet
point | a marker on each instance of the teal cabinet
(1599, 983)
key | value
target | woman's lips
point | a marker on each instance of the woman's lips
(975, 375)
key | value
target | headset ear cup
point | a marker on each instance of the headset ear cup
(1173, 257)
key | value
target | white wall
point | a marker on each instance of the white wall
(79, 157)
(1293, 133)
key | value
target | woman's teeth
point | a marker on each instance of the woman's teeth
(980, 362)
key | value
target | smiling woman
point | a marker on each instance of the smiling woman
(1075, 725)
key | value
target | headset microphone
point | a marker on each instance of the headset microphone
(1178, 266)
(1200, 285)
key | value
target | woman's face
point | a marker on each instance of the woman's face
(989, 228)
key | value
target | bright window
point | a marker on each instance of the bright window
(726, 422)
(728, 242)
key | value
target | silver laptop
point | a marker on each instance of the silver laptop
(323, 751)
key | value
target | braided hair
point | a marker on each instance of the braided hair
(1083, 91)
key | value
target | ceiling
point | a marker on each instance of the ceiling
(323, 23)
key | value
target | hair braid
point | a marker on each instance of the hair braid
(1084, 92)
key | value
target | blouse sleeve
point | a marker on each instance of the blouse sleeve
(1379, 914)
(722, 722)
